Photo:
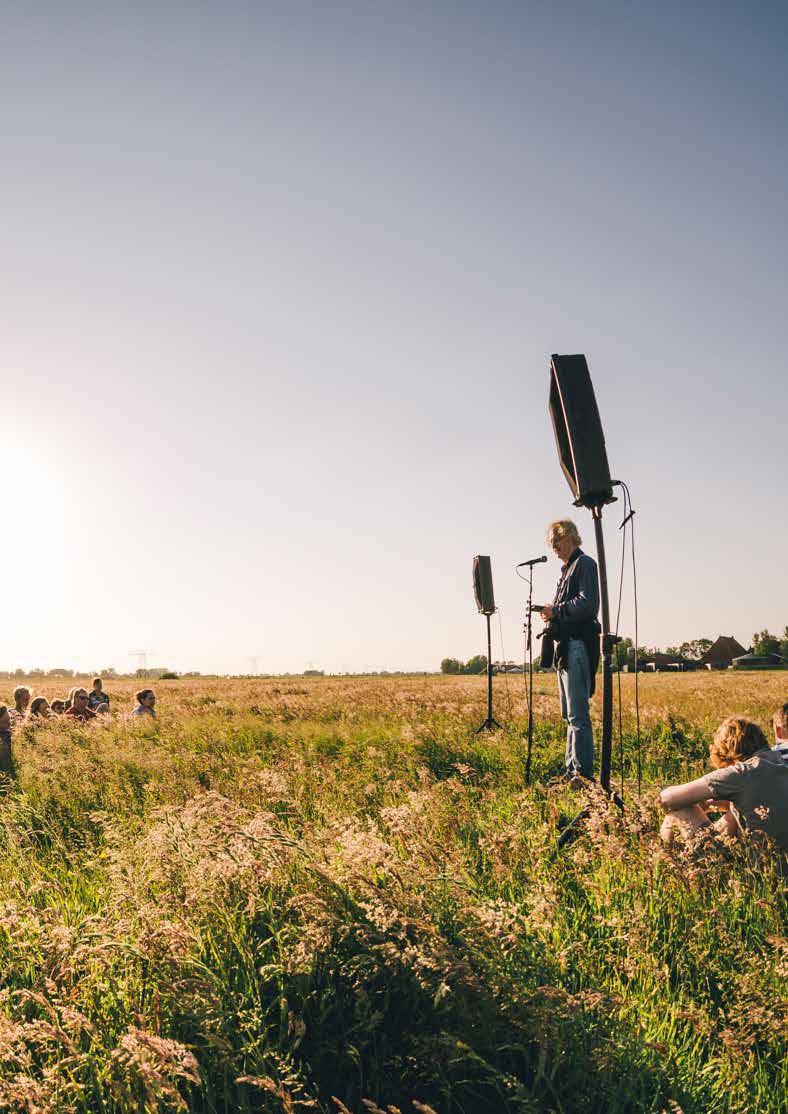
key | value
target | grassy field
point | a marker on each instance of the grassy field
(329, 895)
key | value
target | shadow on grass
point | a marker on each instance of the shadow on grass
(382, 1016)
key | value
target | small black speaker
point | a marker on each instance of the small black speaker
(483, 585)
(578, 432)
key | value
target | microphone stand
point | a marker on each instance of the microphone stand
(530, 647)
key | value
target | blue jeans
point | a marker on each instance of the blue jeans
(574, 683)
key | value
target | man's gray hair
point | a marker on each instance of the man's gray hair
(563, 528)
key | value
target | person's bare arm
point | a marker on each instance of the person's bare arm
(682, 796)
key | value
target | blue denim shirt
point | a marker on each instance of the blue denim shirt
(577, 594)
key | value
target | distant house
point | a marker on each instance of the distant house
(759, 661)
(507, 667)
(660, 663)
(721, 653)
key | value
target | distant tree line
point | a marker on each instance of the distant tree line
(157, 673)
(764, 644)
(477, 664)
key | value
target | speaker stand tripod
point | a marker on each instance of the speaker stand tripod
(491, 723)
(608, 642)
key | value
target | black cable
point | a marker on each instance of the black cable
(620, 725)
(623, 527)
(637, 671)
(629, 519)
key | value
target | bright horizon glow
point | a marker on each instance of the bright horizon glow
(281, 286)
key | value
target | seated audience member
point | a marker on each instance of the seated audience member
(6, 756)
(750, 782)
(21, 701)
(780, 722)
(98, 700)
(79, 706)
(146, 699)
(57, 707)
(39, 708)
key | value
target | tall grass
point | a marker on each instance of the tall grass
(329, 894)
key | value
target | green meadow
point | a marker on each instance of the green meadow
(328, 894)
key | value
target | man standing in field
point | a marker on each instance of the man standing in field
(572, 619)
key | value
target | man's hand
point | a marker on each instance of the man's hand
(547, 612)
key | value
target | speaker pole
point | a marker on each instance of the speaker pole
(490, 724)
(530, 676)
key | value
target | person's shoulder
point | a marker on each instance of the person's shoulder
(770, 757)
(727, 775)
(586, 559)
(762, 762)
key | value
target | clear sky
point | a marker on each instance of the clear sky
(280, 283)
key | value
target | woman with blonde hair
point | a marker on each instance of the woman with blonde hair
(749, 783)
(21, 701)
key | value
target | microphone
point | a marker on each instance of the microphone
(534, 561)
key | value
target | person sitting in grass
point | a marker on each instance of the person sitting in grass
(146, 700)
(57, 707)
(98, 700)
(780, 723)
(39, 708)
(79, 706)
(6, 756)
(21, 701)
(749, 784)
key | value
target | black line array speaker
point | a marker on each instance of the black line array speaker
(483, 585)
(578, 432)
